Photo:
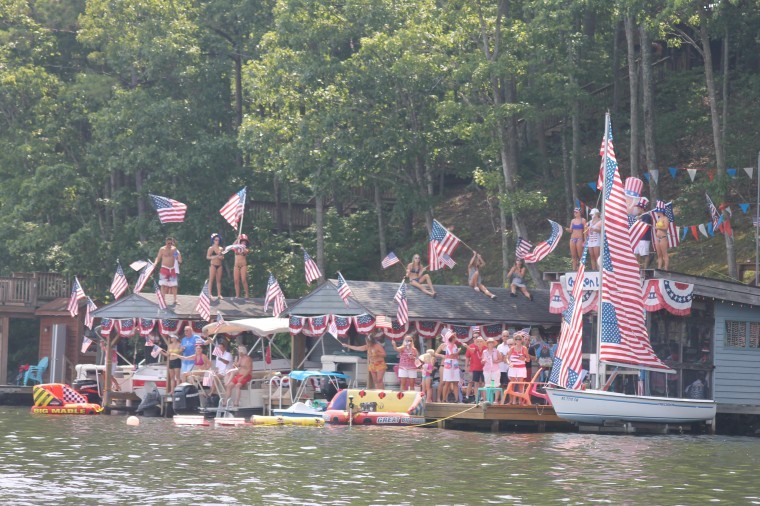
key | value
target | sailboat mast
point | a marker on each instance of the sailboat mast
(601, 369)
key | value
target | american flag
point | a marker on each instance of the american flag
(88, 318)
(364, 323)
(204, 303)
(390, 259)
(542, 249)
(434, 259)
(638, 229)
(86, 342)
(714, 215)
(609, 149)
(119, 284)
(77, 294)
(232, 211)
(312, 271)
(169, 210)
(673, 239)
(447, 261)
(343, 289)
(332, 328)
(383, 322)
(446, 333)
(402, 313)
(445, 241)
(145, 275)
(275, 296)
(217, 352)
(522, 248)
(624, 338)
(159, 296)
(219, 320)
(156, 351)
(566, 369)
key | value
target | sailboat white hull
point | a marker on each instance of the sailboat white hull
(597, 407)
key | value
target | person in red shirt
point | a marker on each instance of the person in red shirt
(474, 364)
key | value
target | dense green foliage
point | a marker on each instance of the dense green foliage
(103, 102)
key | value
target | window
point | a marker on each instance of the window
(742, 335)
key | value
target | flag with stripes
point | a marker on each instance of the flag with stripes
(86, 342)
(119, 284)
(566, 369)
(156, 351)
(446, 333)
(310, 266)
(332, 328)
(445, 242)
(204, 303)
(169, 210)
(637, 230)
(275, 296)
(522, 248)
(624, 338)
(543, 249)
(217, 352)
(390, 259)
(77, 294)
(88, 318)
(714, 214)
(383, 322)
(673, 238)
(219, 320)
(343, 289)
(144, 276)
(159, 296)
(447, 261)
(232, 211)
(402, 313)
(434, 259)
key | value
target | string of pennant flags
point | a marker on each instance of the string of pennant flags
(654, 174)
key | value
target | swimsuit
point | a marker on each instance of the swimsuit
(167, 276)
(414, 271)
(375, 364)
(473, 271)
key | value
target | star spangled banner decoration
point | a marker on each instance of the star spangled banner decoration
(343, 289)
(119, 284)
(169, 210)
(159, 296)
(390, 259)
(145, 275)
(232, 211)
(402, 313)
(445, 241)
(624, 338)
(311, 269)
(77, 294)
(88, 318)
(544, 248)
(522, 248)
(204, 303)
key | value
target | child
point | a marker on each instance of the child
(427, 364)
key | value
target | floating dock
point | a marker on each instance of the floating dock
(495, 417)
(16, 395)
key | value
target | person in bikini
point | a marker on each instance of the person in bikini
(376, 365)
(215, 255)
(577, 229)
(170, 258)
(240, 274)
(415, 271)
(242, 376)
(473, 275)
(661, 239)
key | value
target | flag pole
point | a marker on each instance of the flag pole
(242, 213)
(757, 222)
(601, 368)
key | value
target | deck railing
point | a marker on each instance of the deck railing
(32, 288)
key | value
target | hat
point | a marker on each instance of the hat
(643, 202)
(214, 236)
(594, 211)
(577, 210)
(633, 186)
(173, 336)
(243, 237)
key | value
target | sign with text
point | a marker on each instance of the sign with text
(590, 281)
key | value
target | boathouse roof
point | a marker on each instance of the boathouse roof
(452, 304)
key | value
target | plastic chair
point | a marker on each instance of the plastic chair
(35, 372)
(530, 389)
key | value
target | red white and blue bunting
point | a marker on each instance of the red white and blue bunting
(146, 326)
(126, 327)
(396, 331)
(652, 296)
(677, 297)
(296, 324)
(428, 330)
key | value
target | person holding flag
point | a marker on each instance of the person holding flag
(170, 258)
(416, 274)
(376, 365)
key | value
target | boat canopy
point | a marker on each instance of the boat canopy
(260, 326)
(302, 375)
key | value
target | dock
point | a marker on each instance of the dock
(15, 395)
(494, 417)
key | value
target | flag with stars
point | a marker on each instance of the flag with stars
(447, 261)
(542, 249)
(310, 266)
(566, 369)
(77, 294)
(522, 248)
(159, 296)
(119, 284)
(86, 342)
(673, 239)
(624, 338)
(343, 289)
(714, 214)
(444, 241)
(169, 210)
(390, 259)
(364, 323)
(88, 318)
(232, 211)
(204, 303)
(145, 275)
(402, 313)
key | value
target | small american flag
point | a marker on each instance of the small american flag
(77, 294)
(204, 303)
(159, 296)
(86, 342)
(217, 352)
(390, 259)
(275, 296)
(88, 318)
(169, 210)
(522, 248)
(638, 229)
(145, 275)
(714, 215)
(446, 242)
(156, 351)
(312, 271)
(543, 249)
(119, 284)
(333, 327)
(673, 239)
(219, 320)
(232, 211)
(402, 313)
(343, 289)
(447, 261)
(446, 333)
(383, 322)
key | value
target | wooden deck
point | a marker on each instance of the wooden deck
(494, 417)
(14, 395)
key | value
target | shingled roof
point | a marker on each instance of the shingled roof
(452, 304)
(145, 305)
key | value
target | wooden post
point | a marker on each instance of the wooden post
(495, 426)
(4, 324)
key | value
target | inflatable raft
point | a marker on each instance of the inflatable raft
(61, 399)
(287, 420)
(376, 407)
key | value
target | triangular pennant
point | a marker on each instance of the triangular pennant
(710, 229)
(694, 232)
(703, 229)
(592, 185)
(684, 232)
(673, 171)
(744, 208)
(711, 174)
(655, 175)
(749, 171)
(731, 172)
(692, 174)
(646, 176)
(729, 211)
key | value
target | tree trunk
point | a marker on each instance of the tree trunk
(576, 151)
(616, 69)
(140, 202)
(648, 89)
(277, 204)
(380, 222)
(320, 223)
(725, 90)
(633, 85)
(504, 242)
(567, 177)
(290, 210)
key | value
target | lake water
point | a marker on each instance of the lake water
(101, 460)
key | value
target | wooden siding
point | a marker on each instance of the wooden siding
(737, 371)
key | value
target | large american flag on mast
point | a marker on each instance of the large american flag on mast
(566, 369)
(624, 338)
(119, 284)
(232, 211)
(169, 210)
(543, 249)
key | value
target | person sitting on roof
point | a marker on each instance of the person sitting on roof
(415, 271)
(473, 272)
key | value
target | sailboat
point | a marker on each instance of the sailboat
(622, 338)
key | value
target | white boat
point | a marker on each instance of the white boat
(311, 392)
(622, 338)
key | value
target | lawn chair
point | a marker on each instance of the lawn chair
(35, 372)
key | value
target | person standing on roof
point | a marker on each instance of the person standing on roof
(240, 274)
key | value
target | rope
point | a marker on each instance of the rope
(446, 418)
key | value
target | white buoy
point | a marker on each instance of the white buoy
(133, 421)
